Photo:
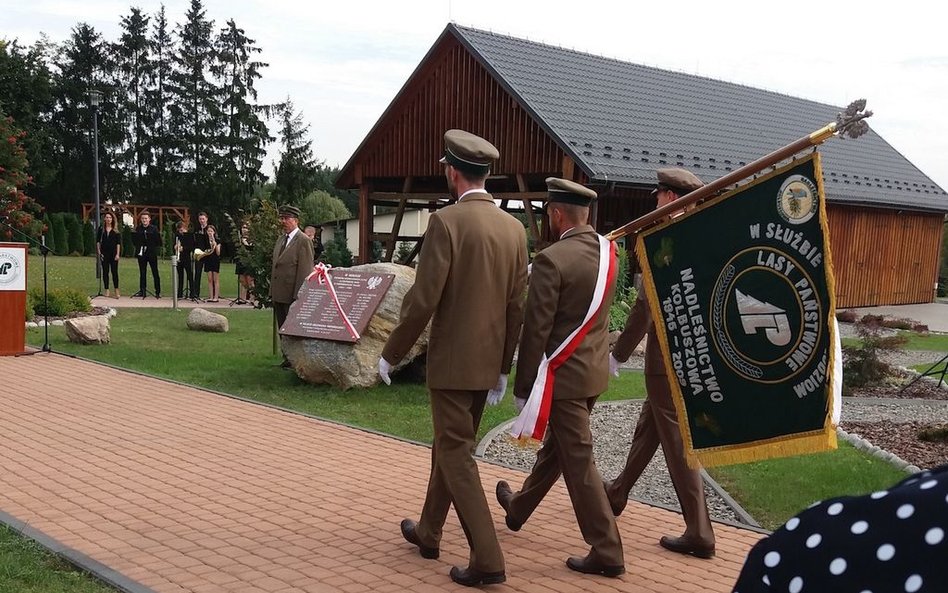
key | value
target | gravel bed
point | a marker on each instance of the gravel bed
(612, 425)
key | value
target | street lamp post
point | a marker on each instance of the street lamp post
(95, 97)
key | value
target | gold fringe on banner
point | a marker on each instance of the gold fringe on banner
(783, 446)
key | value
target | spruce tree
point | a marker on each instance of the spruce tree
(295, 175)
(134, 74)
(245, 132)
(83, 65)
(195, 113)
(158, 97)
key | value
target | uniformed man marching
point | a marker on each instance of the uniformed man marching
(469, 282)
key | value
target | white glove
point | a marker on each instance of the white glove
(496, 395)
(519, 403)
(613, 366)
(384, 370)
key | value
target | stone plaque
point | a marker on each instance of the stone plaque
(314, 314)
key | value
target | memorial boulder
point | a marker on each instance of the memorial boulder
(343, 361)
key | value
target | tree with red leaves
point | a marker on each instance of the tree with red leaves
(17, 209)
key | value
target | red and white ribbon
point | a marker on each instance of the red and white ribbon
(531, 423)
(321, 274)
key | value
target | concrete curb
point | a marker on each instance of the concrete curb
(867, 447)
(73, 557)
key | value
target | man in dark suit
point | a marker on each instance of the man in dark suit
(470, 278)
(570, 289)
(658, 420)
(147, 242)
(292, 263)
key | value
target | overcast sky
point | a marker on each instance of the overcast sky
(342, 62)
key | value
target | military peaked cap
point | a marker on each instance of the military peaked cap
(568, 192)
(469, 153)
(681, 181)
(289, 211)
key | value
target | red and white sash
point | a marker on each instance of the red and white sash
(531, 423)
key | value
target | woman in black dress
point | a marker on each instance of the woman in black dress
(212, 265)
(108, 246)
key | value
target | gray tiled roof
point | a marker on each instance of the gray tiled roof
(621, 121)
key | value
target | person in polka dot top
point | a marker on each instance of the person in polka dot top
(890, 541)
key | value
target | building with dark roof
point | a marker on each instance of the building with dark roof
(611, 124)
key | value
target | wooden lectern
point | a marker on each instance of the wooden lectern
(12, 298)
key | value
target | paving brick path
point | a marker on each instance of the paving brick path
(179, 489)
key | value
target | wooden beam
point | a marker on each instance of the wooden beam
(386, 236)
(569, 168)
(396, 227)
(528, 210)
(366, 222)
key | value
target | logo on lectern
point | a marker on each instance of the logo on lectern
(10, 269)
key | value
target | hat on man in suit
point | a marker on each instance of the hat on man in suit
(468, 152)
(565, 191)
(289, 211)
(680, 181)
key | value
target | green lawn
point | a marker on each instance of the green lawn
(157, 342)
(774, 490)
(915, 341)
(27, 567)
(79, 272)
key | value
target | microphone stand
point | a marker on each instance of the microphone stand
(45, 251)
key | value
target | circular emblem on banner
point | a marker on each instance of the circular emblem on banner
(766, 316)
(10, 269)
(798, 199)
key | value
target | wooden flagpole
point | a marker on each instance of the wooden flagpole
(850, 123)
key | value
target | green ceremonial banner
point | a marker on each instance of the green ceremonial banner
(741, 292)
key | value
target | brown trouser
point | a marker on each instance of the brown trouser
(658, 424)
(456, 416)
(568, 450)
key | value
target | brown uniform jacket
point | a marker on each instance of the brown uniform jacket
(640, 323)
(291, 267)
(561, 288)
(470, 283)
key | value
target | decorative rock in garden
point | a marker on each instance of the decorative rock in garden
(346, 364)
(88, 330)
(203, 320)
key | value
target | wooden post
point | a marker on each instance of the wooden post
(366, 222)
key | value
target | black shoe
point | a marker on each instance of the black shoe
(286, 364)
(684, 546)
(408, 532)
(471, 577)
(157, 295)
(504, 495)
(138, 294)
(589, 566)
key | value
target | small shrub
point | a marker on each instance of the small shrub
(846, 316)
(60, 302)
(920, 328)
(88, 238)
(934, 434)
(74, 230)
(898, 323)
(869, 318)
(128, 248)
(29, 307)
(337, 253)
(863, 364)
